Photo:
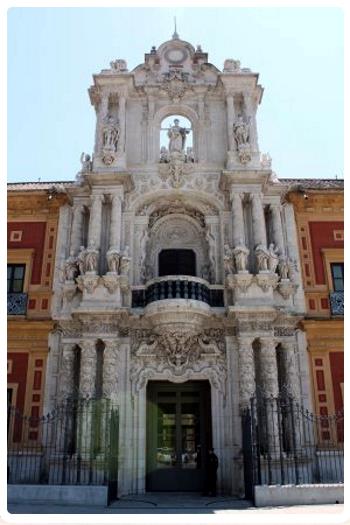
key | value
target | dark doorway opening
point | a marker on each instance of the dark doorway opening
(178, 435)
(177, 262)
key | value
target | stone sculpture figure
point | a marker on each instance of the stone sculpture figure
(81, 260)
(164, 154)
(111, 132)
(205, 272)
(86, 164)
(240, 255)
(177, 137)
(124, 265)
(262, 257)
(143, 252)
(91, 258)
(283, 267)
(273, 258)
(241, 131)
(70, 267)
(228, 259)
(113, 260)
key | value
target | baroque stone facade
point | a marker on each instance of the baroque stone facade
(141, 198)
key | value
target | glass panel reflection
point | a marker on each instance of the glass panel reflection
(166, 439)
(190, 438)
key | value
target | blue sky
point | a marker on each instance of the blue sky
(53, 52)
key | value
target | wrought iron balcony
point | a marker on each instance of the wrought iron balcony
(17, 303)
(177, 287)
(337, 303)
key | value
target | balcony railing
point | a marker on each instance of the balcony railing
(17, 303)
(337, 303)
(177, 287)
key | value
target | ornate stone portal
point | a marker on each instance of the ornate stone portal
(122, 319)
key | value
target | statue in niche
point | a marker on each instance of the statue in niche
(86, 163)
(262, 257)
(205, 272)
(240, 255)
(91, 258)
(81, 260)
(177, 137)
(113, 259)
(241, 131)
(70, 267)
(110, 133)
(283, 267)
(143, 252)
(228, 259)
(273, 258)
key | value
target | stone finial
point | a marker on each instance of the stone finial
(231, 65)
(119, 65)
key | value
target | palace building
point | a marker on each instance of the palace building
(178, 291)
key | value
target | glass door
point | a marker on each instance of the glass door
(178, 430)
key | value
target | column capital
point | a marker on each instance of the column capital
(87, 346)
(268, 343)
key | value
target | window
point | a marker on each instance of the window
(177, 262)
(15, 278)
(337, 270)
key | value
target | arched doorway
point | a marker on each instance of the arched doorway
(177, 262)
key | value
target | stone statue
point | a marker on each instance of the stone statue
(86, 164)
(228, 259)
(111, 133)
(81, 260)
(205, 272)
(241, 131)
(273, 258)
(113, 260)
(177, 137)
(70, 267)
(283, 267)
(240, 255)
(189, 155)
(124, 264)
(91, 258)
(143, 251)
(164, 154)
(211, 250)
(262, 257)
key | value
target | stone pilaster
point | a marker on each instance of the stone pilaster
(116, 219)
(277, 229)
(66, 375)
(95, 220)
(246, 371)
(258, 218)
(77, 228)
(87, 381)
(110, 369)
(230, 108)
(237, 218)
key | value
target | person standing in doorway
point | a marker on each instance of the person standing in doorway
(212, 467)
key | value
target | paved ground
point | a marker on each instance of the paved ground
(170, 503)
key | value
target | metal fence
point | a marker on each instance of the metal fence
(285, 444)
(76, 444)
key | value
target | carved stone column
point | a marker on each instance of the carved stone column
(291, 369)
(66, 373)
(277, 229)
(110, 369)
(258, 218)
(237, 218)
(77, 228)
(269, 378)
(87, 381)
(122, 122)
(101, 115)
(95, 220)
(230, 120)
(116, 219)
(250, 106)
(246, 371)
